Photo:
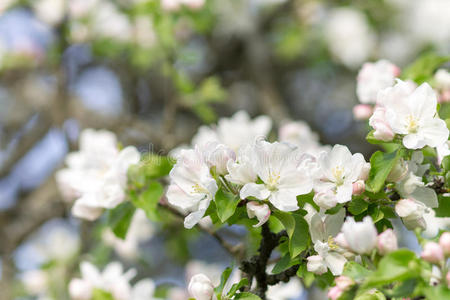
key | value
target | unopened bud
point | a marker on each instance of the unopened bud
(387, 242)
(334, 293)
(200, 287)
(444, 242)
(358, 187)
(433, 253)
(344, 282)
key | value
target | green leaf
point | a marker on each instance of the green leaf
(437, 293)
(355, 271)
(381, 165)
(284, 263)
(443, 210)
(307, 277)
(223, 280)
(235, 287)
(101, 295)
(226, 204)
(423, 68)
(297, 230)
(151, 166)
(246, 296)
(149, 199)
(357, 206)
(119, 219)
(399, 265)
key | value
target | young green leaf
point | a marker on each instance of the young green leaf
(226, 204)
(223, 280)
(119, 219)
(381, 165)
(149, 199)
(235, 287)
(246, 296)
(297, 230)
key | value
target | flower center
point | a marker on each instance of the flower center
(338, 174)
(331, 244)
(272, 183)
(412, 124)
(196, 188)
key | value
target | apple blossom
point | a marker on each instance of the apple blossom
(325, 199)
(374, 77)
(191, 187)
(433, 253)
(387, 242)
(316, 264)
(444, 242)
(362, 111)
(217, 155)
(323, 228)
(398, 172)
(201, 287)
(338, 170)
(96, 174)
(349, 36)
(379, 123)
(414, 116)
(259, 210)
(80, 289)
(344, 282)
(442, 81)
(341, 241)
(35, 281)
(334, 293)
(284, 172)
(299, 134)
(241, 171)
(360, 236)
(234, 132)
(412, 213)
(443, 151)
(358, 188)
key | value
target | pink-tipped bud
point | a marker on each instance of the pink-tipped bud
(259, 210)
(433, 253)
(341, 241)
(447, 277)
(387, 242)
(344, 282)
(334, 293)
(444, 242)
(358, 187)
(362, 111)
(326, 199)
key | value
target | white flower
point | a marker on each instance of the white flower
(49, 11)
(112, 280)
(218, 156)
(338, 170)
(241, 171)
(387, 242)
(414, 116)
(442, 79)
(373, 77)
(234, 132)
(96, 174)
(412, 186)
(325, 199)
(443, 151)
(191, 187)
(412, 213)
(285, 290)
(378, 121)
(139, 230)
(323, 228)
(259, 210)
(299, 134)
(360, 236)
(284, 172)
(349, 36)
(201, 287)
(110, 22)
(35, 281)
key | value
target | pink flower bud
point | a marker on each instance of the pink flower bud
(444, 242)
(316, 264)
(344, 282)
(341, 241)
(334, 293)
(433, 253)
(362, 111)
(200, 287)
(387, 242)
(358, 187)
(378, 121)
(447, 277)
(259, 210)
(326, 199)
(364, 175)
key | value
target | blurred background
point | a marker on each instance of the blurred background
(152, 71)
